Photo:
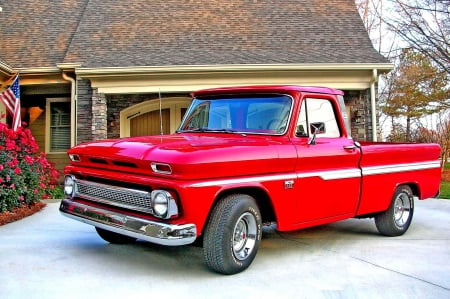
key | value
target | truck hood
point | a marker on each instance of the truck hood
(190, 156)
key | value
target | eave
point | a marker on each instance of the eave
(120, 71)
(186, 78)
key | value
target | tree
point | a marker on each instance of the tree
(373, 13)
(415, 88)
(440, 135)
(425, 26)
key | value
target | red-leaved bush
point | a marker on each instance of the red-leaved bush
(25, 174)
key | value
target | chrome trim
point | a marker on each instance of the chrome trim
(400, 167)
(74, 158)
(332, 174)
(288, 121)
(154, 167)
(326, 175)
(151, 231)
(264, 178)
(112, 195)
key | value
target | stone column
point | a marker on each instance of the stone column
(84, 110)
(99, 116)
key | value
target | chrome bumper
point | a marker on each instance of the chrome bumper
(151, 231)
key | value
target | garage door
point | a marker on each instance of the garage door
(149, 123)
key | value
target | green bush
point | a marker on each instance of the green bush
(25, 174)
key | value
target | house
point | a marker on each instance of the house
(96, 69)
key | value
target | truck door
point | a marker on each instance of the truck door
(327, 169)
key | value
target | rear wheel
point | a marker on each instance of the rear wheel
(396, 219)
(233, 234)
(113, 237)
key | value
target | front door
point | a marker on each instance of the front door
(328, 175)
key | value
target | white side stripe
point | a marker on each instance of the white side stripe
(400, 167)
(332, 174)
(246, 180)
(325, 175)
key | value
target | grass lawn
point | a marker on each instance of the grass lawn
(445, 190)
(445, 185)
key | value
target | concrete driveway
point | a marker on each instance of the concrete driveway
(50, 256)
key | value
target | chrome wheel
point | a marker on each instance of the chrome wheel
(233, 234)
(402, 208)
(244, 236)
(396, 219)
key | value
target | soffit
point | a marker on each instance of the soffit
(189, 78)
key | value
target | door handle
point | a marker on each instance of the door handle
(349, 147)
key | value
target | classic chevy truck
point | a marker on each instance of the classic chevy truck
(241, 158)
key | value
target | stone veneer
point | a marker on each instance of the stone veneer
(84, 111)
(99, 119)
(360, 115)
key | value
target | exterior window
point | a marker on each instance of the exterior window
(255, 114)
(317, 114)
(58, 120)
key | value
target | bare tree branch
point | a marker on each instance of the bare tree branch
(425, 26)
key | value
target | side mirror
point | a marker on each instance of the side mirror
(317, 128)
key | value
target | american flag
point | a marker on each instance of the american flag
(11, 99)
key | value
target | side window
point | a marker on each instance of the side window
(302, 124)
(317, 114)
(58, 122)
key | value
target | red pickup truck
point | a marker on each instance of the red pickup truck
(241, 158)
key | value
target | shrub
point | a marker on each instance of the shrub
(25, 174)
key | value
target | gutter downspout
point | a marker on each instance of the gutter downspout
(373, 104)
(73, 107)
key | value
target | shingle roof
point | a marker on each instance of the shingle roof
(36, 33)
(107, 33)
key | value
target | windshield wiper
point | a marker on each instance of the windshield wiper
(201, 130)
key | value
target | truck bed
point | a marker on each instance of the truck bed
(387, 165)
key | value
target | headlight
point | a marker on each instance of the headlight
(69, 185)
(163, 204)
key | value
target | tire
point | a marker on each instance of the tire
(396, 219)
(232, 235)
(114, 238)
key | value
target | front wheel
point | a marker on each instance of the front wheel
(396, 219)
(233, 234)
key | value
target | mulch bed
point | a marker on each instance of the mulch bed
(21, 212)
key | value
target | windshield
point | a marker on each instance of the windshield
(255, 114)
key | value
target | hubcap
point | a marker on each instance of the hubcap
(402, 209)
(244, 236)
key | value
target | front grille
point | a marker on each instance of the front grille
(116, 196)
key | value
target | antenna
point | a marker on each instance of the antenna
(160, 112)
